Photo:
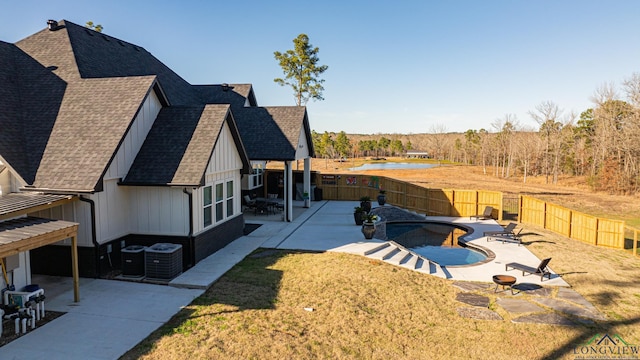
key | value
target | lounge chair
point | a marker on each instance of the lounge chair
(507, 235)
(486, 214)
(541, 270)
(508, 230)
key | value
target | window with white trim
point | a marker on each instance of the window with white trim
(229, 189)
(219, 201)
(208, 209)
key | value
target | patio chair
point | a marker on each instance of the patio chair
(486, 214)
(249, 203)
(508, 230)
(506, 236)
(541, 270)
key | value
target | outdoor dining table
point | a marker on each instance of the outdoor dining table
(266, 205)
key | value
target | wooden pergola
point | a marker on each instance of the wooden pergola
(23, 233)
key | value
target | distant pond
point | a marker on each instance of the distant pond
(393, 166)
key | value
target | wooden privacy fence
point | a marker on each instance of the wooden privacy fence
(433, 202)
(447, 202)
(573, 224)
(631, 236)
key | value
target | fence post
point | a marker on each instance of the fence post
(595, 242)
(404, 195)
(501, 210)
(570, 223)
(453, 202)
(519, 208)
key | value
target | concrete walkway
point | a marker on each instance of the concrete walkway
(113, 316)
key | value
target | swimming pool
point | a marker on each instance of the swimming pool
(438, 242)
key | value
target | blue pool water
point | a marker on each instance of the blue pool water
(450, 256)
(393, 165)
(437, 242)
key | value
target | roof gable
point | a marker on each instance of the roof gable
(53, 50)
(272, 133)
(94, 116)
(184, 139)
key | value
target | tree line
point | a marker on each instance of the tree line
(601, 143)
(340, 145)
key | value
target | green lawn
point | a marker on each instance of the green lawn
(296, 305)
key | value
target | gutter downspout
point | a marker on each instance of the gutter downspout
(191, 241)
(94, 236)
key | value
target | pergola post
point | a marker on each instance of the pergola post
(74, 268)
(307, 179)
(288, 191)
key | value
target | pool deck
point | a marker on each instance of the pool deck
(331, 228)
(113, 316)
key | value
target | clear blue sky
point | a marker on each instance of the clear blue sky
(394, 66)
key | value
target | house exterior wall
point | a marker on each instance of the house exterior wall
(143, 215)
(223, 167)
(121, 210)
(8, 182)
(158, 211)
(56, 259)
(75, 211)
(150, 210)
(18, 269)
(5, 180)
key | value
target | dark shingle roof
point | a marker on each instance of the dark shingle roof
(268, 133)
(30, 98)
(94, 117)
(234, 94)
(11, 135)
(77, 52)
(182, 138)
(271, 133)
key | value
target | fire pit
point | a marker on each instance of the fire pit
(504, 281)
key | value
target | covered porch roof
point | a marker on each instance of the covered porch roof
(23, 233)
(18, 204)
(28, 233)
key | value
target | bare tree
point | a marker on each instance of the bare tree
(528, 146)
(506, 128)
(485, 143)
(546, 114)
(438, 140)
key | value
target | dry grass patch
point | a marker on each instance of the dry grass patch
(364, 309)
(608, 278)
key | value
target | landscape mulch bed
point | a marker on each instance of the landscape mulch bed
(8, 328)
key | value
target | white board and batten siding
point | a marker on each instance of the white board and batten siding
(225, 165)
(135, 137)
(121, 210)
(9, 183)
(5, 181)
(302, 151)
(158, 210)
(75, 211)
